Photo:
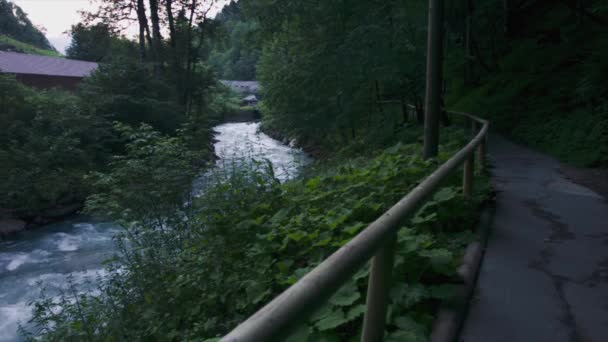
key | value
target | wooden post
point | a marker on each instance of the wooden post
(379, 285)
(482, 155)
(467, 178)
(434, 72)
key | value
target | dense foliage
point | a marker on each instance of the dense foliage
(98, 43)
(15, 24)
(49, 142)
(237, 46)
(126, 91)
(192, 266)
(336, 75)
(53, 138)
(327, 69)
(191, 270)
(326, 84)
(544, 83)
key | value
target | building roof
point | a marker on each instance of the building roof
(250, 98)
(20, 63)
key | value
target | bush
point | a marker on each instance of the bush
(128, 92)
(50, 142)
(196, 272)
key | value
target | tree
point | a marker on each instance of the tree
(330, 77)
(175, 59)
(236, 49)
(97, 43)
(125, 91)
(433, 78)
(50, 141)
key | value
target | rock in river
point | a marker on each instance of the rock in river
(11, 226)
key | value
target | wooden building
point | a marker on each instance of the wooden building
(45, 72)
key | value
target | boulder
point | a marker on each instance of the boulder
(61, 211)
(11, 226)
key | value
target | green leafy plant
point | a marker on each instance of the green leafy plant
(203, 266)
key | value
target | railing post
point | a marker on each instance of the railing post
(379, 285)
(482, 154)
(469, 166)
(467, 177)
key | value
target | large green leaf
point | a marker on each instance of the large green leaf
(334, 319)
(347, 295)
(406, 323)
(300, 334)
(355, 312)
(445, 194)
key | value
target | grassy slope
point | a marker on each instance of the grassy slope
(550, 96)
(10, 44)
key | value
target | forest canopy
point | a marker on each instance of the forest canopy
(342, 70)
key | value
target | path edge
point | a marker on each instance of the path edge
(450, 318)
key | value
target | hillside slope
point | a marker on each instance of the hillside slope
(9, 44)
(548, 88)
(19, 34)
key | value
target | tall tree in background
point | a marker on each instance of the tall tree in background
(176, 57)
(327, 73)
(156, 37)
(236, 49)
(98, 43)
(434, 78)
(144, 29)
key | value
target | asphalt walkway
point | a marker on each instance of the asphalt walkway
(544, 277)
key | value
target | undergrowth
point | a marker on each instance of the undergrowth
(551, 95)
(196, 272)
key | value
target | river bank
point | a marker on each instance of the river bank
(76, 246)
(13, 224)
(314, 150)
(14, 221)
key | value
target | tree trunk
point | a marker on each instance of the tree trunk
(169, 8)
(468, 78)
(143, 26)
(149, 38)
(156, 36)
(189, 36)
(189, 57)
(507, 18)
(433, 78)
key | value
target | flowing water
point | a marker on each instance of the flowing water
(78, 246)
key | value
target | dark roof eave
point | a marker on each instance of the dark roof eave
(35, 74)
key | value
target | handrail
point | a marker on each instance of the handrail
(274, 320)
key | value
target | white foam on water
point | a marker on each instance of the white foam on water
(16, 260)
(244, 141)
(87, 227)
(68, 242)
(60, 280)
(10, 317)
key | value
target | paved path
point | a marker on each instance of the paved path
(544, 277)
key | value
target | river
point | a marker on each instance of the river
(77, 247)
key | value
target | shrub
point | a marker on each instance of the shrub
(196, 272)
(49, 143)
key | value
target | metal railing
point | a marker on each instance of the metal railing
(376, 242)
